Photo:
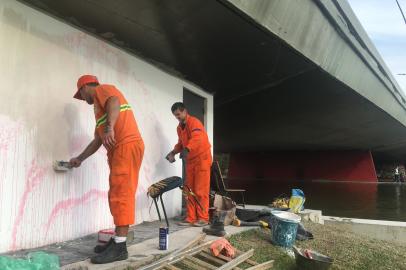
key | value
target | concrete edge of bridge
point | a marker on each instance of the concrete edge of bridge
(393, 231)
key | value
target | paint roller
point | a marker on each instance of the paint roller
(61, 166)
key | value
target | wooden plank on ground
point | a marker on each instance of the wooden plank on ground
(171, 267)
(263, 266)
(191, 252)
(236, 261)
(196, 241)
(203, 264)
(249, 261)
(220, 256)
(211, 258)
(172, 259)
(191, 264)
(208, 255)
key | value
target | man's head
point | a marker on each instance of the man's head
(179, 111)
(86, 88)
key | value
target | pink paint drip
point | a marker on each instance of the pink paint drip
(34, 177)
(71, 203)
(7, 136)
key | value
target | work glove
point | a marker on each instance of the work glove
(170, 157)
(184, 153)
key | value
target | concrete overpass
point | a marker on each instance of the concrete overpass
(287, 75)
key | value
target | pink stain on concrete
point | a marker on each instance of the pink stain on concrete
(34, 177)
(79, 143)
(72, 203)
(7, 135)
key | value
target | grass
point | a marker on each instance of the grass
(349, 250)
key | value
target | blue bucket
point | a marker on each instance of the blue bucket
(284, 228)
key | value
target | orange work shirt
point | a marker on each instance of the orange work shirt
(192, 136)
(125, 128)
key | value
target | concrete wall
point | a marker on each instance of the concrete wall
(41, 59)
(392, 231)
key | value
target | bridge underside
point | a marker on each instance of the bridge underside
(268, 97)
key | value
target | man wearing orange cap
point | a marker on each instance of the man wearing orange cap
(117, 130)
(194, 147)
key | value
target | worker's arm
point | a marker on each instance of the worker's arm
(112, 108)
(93, 146)
(196, 136)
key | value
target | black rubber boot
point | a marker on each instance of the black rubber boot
(101, 248)
(216, 227)
(114, 252)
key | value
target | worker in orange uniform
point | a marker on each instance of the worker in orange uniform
(117, 130)
(193, 146)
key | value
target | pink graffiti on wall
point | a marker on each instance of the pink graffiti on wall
(34, 177)
(68, 204)
(35, 173)
(79, 143)
(7, 135)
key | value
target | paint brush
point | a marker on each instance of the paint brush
(61, 166)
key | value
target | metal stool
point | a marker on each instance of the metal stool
(164, 186)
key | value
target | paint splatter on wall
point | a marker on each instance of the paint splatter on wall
(41, 122)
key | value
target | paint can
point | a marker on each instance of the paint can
(163, 238)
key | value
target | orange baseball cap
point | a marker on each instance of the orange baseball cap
(85, 79)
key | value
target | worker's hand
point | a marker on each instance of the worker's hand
(75, 162)
(184, 153)
(170, 157)
(108, 139)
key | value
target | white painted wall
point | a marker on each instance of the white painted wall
(40, 61)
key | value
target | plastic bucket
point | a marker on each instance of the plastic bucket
(284, 228)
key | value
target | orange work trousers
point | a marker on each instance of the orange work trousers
(124, 162)
(198, 180)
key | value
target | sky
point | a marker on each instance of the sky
(385, 26)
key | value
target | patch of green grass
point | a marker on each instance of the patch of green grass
(264, 250)
(349, 250)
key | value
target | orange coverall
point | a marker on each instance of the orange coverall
(193, 136)
(124, 159)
